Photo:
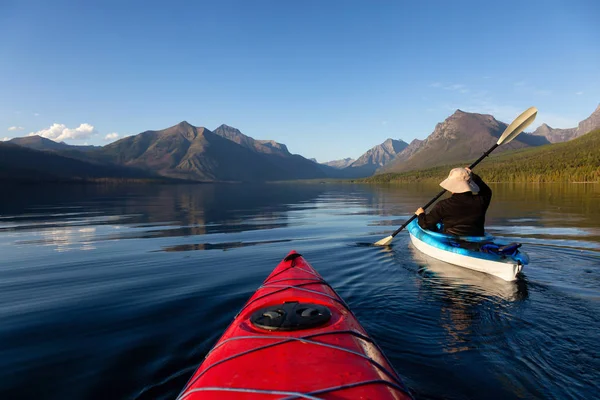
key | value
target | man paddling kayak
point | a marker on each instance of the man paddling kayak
(463, 213)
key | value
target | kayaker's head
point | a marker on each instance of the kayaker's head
(459, 181)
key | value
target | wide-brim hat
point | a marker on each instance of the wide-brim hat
(459, 181)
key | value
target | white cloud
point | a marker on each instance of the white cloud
(15, 128)
(5, 139)
(36, 114)
(111, 136)
(60, 132)
(435, 84)
(579, 93)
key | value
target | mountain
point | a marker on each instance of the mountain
(340, 164)
(36, 142)
(461, 137)
(577, 160)
(19, 163)
(381, 154)
(195, 153)
(375, 158)
(555, 135)
(590, 123)
(408, 151)
(260, 146)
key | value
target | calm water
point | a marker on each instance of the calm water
(119, 292)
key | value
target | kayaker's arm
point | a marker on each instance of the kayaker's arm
(484, 190)
(429, 220)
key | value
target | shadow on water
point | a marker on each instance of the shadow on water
(367, 244)
(219, 246)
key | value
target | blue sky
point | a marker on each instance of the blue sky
(330, 79)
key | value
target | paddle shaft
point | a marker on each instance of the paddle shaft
(440, 194)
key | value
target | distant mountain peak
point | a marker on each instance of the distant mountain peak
(37, 142)
(260, 146)
(542, 130)
(228, 127)
(460, 114)
(461, 136)
(379, 155)
(340, 164)
(558, 135)
(590, 123)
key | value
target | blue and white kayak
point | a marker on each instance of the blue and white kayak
(479, 253)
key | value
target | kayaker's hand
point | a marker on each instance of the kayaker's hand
(468, 169)
(419, 211)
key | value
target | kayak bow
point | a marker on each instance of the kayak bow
(295, 338)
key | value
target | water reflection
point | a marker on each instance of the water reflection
(63, 239)
(143, 212)
(466, 284)
(468, 300)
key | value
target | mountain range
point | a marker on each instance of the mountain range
(562, 135)
(187, 152)
(18, 163)
(195, 153)
(461, 137)
(576, 160)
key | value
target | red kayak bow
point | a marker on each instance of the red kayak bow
(295, 338)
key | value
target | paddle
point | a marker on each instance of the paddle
(511, 132)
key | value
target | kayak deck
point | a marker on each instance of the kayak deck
(295, 338)
(450, 249)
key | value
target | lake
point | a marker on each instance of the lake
(118, 292)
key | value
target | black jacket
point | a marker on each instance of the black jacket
(462, 214)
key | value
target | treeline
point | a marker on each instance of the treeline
(575, 161)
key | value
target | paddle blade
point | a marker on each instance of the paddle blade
(518, 125)
(385, 241)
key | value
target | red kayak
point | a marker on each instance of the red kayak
(295, 339)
